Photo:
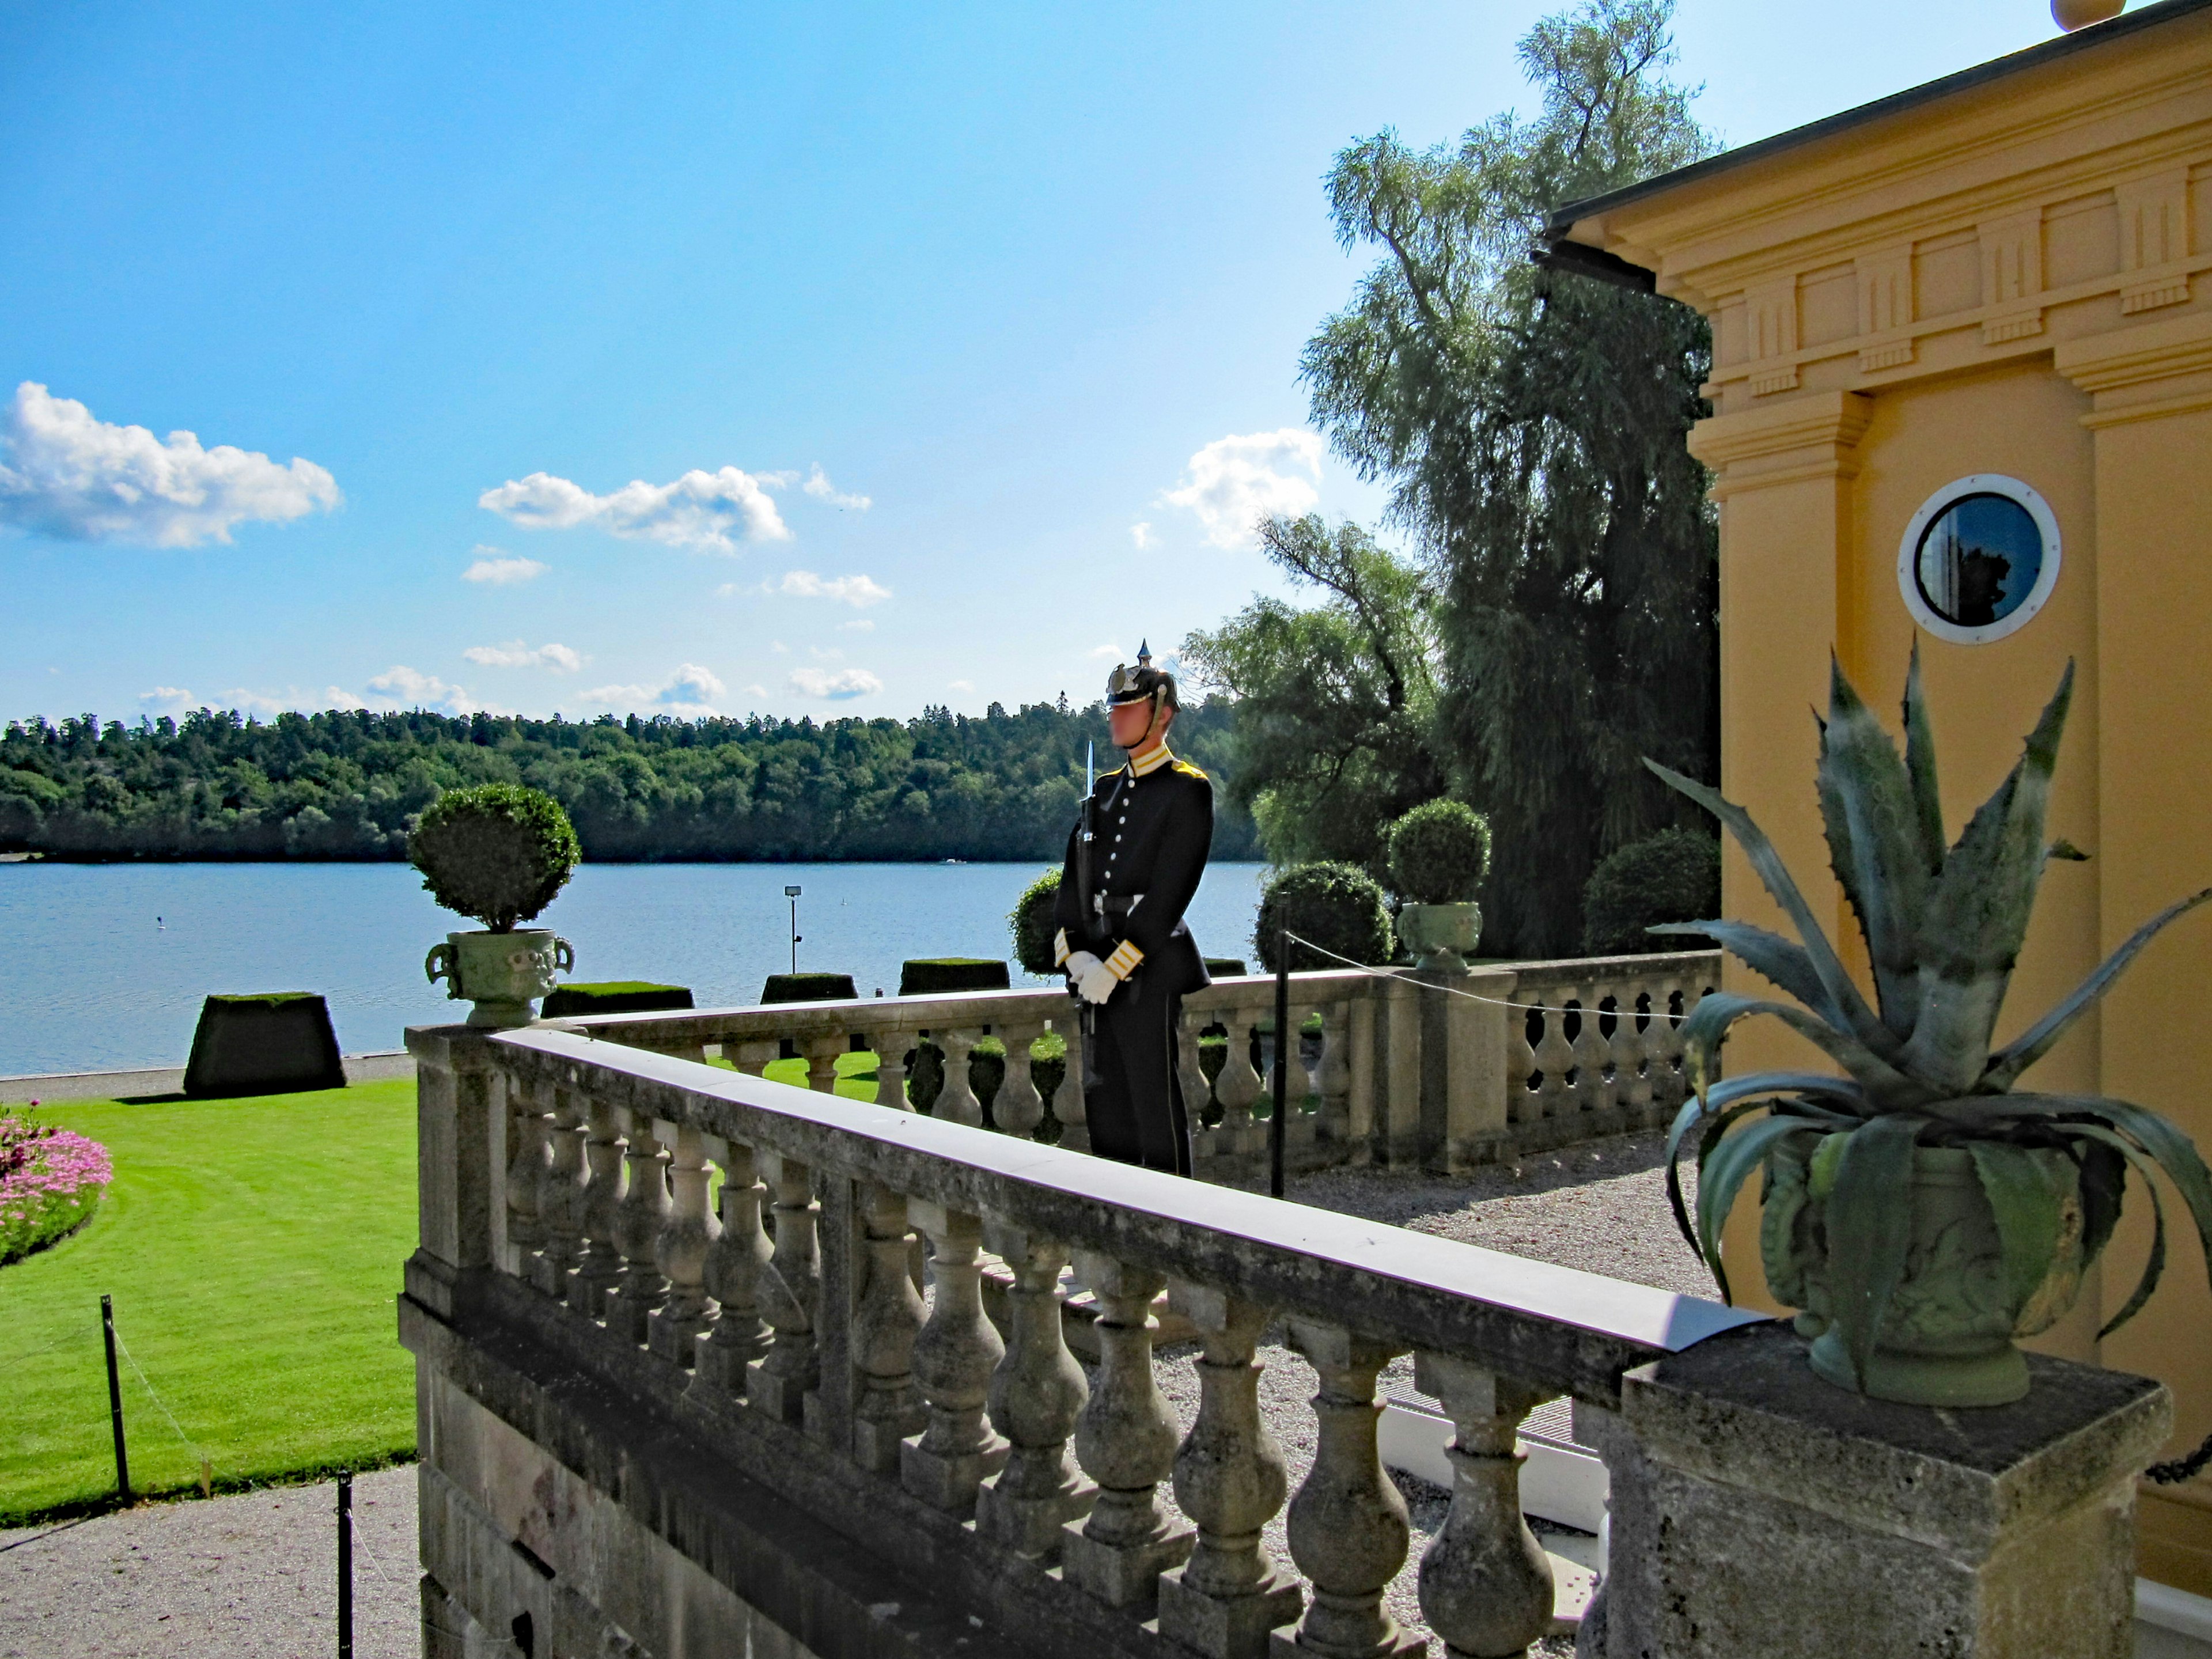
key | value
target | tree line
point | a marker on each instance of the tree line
(347, 785)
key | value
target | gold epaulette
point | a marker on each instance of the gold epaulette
(1185, 766)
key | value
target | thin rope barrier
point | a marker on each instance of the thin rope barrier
(1617, 1012)
(33, 1353)
(193, 1445)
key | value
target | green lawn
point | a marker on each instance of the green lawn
(253, 1249)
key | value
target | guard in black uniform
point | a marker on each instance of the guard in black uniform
(1131, 955)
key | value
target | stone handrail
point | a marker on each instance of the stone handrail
(1404, 1071)
(801, 1305)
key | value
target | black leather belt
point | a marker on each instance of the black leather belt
(1116, 905)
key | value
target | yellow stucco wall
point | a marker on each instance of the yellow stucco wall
(2014, 278)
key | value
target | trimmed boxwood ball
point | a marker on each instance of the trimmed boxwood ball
(497, 853)
(1031, 920)
(1673, 875)
(1438, 852)
(1337, 906)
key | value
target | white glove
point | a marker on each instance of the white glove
(1078, 963)
(1098, 982)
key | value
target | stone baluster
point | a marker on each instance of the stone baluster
(1231, 1479)
(1333, 1079)
(886, 1318)
(1485, 1586)
(529, 1157)
(1067, 1101)
(1238, 1086)
(677, 1323)
(600, 1265)
(1348, 1526)
(1555, 1057)
(560, 1198)
(1523, 1105)
(1017, 1108)
(956, 1102)
(954, 1359)
(753, 1058)
(1125, 1440)
(1670, 1088)
(822, 1054)
(779, 1383)
(1631, 1049)
(638, 1221)
(1197, 1093)
(890, 1070)
(1035, 1396)
(1589, 1050)
(736, 1266)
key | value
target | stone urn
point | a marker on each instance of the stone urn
(502, 974)
(1441, 936)
(1948, 1339)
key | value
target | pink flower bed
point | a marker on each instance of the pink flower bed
(51, 1179)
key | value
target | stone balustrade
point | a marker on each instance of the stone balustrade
(1441, 1070)
(779, 1420)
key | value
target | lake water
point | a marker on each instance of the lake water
(89, 982)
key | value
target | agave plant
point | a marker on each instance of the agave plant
(1852, 1160)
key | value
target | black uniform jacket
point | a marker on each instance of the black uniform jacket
(1154, 833)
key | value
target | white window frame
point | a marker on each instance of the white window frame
(1908, 558)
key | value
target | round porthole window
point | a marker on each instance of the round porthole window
(1979, 559)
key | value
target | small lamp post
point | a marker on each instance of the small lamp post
(791, 893)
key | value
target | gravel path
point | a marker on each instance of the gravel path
(253, 1575)
(247, 1577)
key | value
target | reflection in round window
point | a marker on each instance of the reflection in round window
(1978, 560)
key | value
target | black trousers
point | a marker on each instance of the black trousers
(1132, 1097)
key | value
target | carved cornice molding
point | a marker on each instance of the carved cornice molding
(2143, 373)
(1813, 437)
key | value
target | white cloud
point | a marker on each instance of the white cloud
(499, 567)
(171, 699)
(778, 648)
(819, 485)
(63, 473)
(824, 653)
(699, 510)
(858, 625)
(859, 592)
(402, 687)
(845, 683)
(1141, 534)
(1234, 481)
(517, 654)
(961, 685)
(1104, 653)
(690, 692)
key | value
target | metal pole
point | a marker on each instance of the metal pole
(1277, 1124)
(345, 1565)
(794, 936)
(115, 1400)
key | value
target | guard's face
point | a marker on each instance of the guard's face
(1131, 721)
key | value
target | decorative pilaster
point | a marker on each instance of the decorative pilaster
(1230, 1477)
(1035, 1396)
(1348, 1526)
(736, 1265)
(1125, 1440)
(1485, 1584)
(778, 1384)
(676, 1325)
(954, 1359)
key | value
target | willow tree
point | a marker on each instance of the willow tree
(1531, 427)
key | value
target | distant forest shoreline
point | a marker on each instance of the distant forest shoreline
(217, 786)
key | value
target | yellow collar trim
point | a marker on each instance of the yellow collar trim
(1150, 761)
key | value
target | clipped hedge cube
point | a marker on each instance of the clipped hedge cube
(273, 1044)
(615, 996)
(809, 987)
(930, 976)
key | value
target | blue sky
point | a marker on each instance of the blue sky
(825, 359)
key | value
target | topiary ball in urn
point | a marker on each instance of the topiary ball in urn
(497, 853)
(1438, 854)
(1922, 1209)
